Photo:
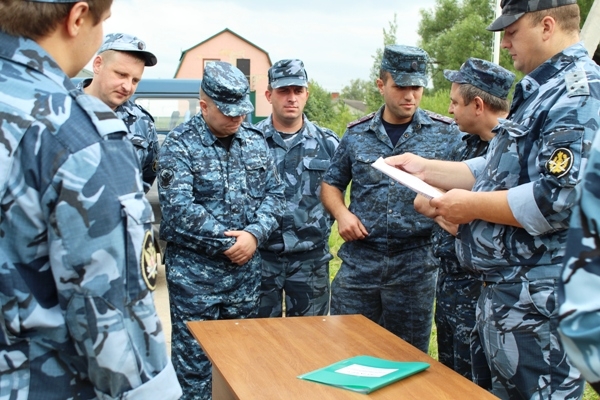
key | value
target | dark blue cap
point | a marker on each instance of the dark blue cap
(485, 75)
(512, 10)
(406, 64)
(228, 87)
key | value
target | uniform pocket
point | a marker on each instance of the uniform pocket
(141, 266)
(362, 171)
(315, 169)
(255, 177)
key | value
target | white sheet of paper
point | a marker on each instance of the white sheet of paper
(363, 370)
(408, 180)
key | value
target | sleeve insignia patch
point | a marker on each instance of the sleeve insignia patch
(149, 262)
(560, 162)
(165, 178)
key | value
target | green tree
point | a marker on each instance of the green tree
(454, 31)
(319, 107)
(356, 90)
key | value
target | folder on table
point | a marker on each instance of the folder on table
(364, 374)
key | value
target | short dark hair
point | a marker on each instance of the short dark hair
(35, 20)
(567, 17)
(468, 93)
(384, 74)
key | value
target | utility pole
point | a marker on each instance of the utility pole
(496, 48)
(590, 33)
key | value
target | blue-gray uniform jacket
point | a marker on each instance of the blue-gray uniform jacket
(76, 252)
(205, 190)
(385, 207)
(301, 164)
(537, 156)
(443, 242)
(141, 132)
(578, 295)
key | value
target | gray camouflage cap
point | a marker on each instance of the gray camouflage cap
(128, 43)
(288, 73)
(406, 64)
(485, 75)
(512, 10)
(228, 87)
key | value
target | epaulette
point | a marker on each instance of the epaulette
(252, 127)
(144, 111)
(361, 120)
(577, 83)
(439, 117)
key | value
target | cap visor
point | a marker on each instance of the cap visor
(235, 110)
(405, 79)
(283, 82)
(503, 21)
(453, 76)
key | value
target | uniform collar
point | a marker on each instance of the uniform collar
(32, 56)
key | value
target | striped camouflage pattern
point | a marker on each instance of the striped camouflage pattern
(578, 294)
(77, 265)
(141, 130)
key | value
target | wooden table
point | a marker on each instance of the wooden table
(261, 359)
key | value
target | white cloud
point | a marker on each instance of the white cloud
(336, 39)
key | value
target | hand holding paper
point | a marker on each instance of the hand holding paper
(406, 179)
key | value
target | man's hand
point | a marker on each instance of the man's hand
(411, 163)
(455, 206)
(243, 249)
(422, 206)
(350, 227)
(447, 226)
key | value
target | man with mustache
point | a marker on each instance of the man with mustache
(118, 68)
(388, 273)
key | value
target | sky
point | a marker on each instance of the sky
(336, 39)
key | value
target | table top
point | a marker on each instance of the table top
(261, 358)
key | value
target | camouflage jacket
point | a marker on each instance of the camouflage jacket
(384, 206)
(141, 132)
(578, 289)
(537, 155)
(301, 164)
(76, 253)
(443, 243)
(205, 190)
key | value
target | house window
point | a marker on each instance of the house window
(244, 65)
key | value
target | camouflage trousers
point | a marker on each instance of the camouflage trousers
(517, 323)
(395, 290)
(204, 289)
(456, 301)
(303, 276)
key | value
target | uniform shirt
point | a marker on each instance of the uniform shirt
(578, 290)
(76, 254)
(301, 163)
(205, 190)
(384, 206)
(537, 155)
(142, 133)
(443, 243)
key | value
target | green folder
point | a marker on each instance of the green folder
(364, 374)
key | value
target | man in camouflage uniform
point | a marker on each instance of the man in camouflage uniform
(478, 98)
(388, 272)
(76, 256)
(296, 256)
(118, 68)
(578, 289)
(221, 198)
(516, 209)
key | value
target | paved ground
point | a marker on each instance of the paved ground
(161, 300)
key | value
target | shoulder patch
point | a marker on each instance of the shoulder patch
(148, 261)
(560, 162)
(439, 117)
(361, 120)
(577, 83)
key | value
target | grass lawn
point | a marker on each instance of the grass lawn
(335, 241)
